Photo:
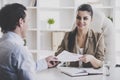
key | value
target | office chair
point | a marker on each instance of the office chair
(103, 24)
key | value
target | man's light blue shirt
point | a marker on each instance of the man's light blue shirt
(16, 62)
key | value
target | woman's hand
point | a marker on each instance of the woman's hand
(96, 63)
(87, 58)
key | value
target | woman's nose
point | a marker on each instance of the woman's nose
(81, 20)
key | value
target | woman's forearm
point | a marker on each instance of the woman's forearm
(96, 63)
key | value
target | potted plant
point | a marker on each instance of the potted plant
(51, 21)
(110, 18)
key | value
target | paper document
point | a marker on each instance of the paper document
(66, 56)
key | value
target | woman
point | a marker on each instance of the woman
(83, 40)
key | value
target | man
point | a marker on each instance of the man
(16, 63)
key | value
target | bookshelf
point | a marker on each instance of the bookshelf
(41, 38)
(62, 11)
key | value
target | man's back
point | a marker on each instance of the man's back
(7, 70)
(15, 62)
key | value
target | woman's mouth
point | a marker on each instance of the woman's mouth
(80, 25)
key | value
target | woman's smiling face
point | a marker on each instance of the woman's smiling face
(83, 19)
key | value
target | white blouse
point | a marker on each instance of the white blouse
(80, 51)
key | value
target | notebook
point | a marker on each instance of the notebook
(73, 72)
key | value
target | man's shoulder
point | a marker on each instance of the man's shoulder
(9, 45)
(9, 48)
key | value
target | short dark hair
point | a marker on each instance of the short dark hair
(86, 7)
(10, 15)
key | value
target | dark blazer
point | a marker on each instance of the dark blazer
(94, 45)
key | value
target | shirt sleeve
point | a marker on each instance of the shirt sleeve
(100, 48)
(26, 66)
(41, 65)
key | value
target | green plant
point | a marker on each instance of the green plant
(110, 18)
(51, 21)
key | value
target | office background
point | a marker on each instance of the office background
(43, 38)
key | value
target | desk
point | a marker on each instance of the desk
(55, 74)
(115, 74)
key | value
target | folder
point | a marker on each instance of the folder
(74, 72)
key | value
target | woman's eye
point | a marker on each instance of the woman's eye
(85, 18)
(78, 17)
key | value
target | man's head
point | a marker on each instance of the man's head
(12, 17)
